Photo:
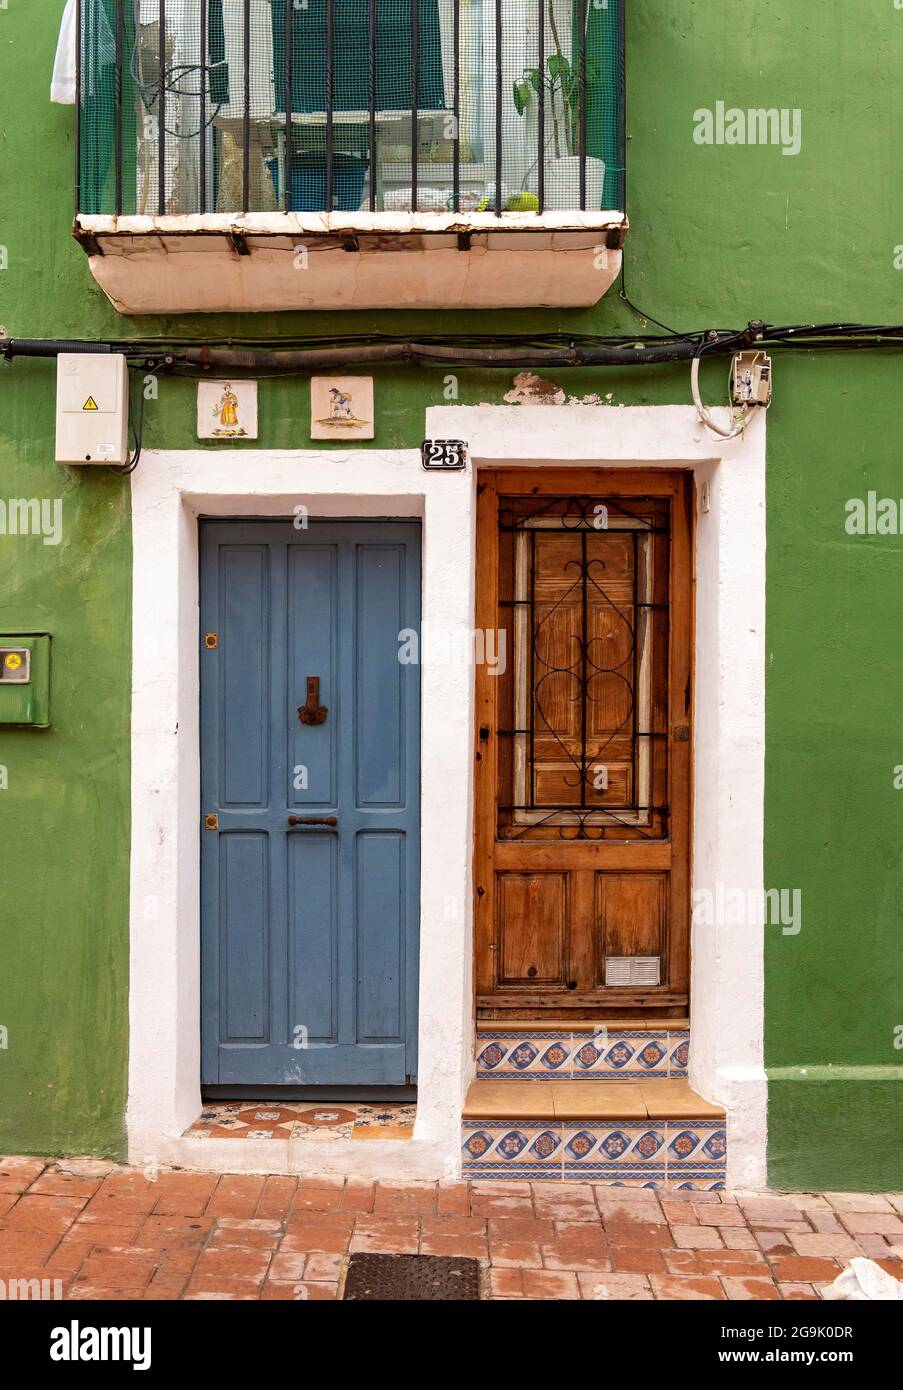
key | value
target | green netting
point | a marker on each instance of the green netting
(604, 92)
(351, 55)
(490, 114)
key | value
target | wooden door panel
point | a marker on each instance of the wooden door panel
(583, 752)
(533, 929)
(631, 916)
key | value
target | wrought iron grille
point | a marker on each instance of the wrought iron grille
(196, 106)
(584, 586)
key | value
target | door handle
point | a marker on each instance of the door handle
(313, 820)
(312, 712)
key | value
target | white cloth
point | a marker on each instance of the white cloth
(62, 84)
(99, 51)
(263, 90)
(864, 1281)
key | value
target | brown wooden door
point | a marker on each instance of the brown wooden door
(583, 743)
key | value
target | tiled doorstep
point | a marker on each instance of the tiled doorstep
(659, 1135)
(656, 1154)
(273, 1121)
(609, 1054)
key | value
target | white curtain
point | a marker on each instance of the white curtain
(99, 51)
(62, 84)
(470, 67)
(263, 89)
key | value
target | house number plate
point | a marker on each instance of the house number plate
(444, 453)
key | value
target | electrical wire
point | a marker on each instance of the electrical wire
(300, 356)
(648, 318)
(137, 436)
(740, 418)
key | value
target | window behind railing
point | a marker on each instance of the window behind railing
(195, 106)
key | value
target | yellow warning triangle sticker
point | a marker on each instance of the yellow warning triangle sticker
(90, 404)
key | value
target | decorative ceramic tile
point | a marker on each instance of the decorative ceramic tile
(341, 407)
(625, 1055)
(384, 1122)
(696, 1147)
(227, 410)
(697, 1182)
(612, 1147)
(678, 1054)
(325, 1122)
(529, 1148)
(538, 1057)
(303, 1120)
(613, 1177)
(654, 1154)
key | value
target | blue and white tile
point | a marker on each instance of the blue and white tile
(613, 1147)
(697, 1182)
(696, 1146)
(678, 1054)
(542, 1057)
(511, 1149)
(621, 1056)
(615, 1177)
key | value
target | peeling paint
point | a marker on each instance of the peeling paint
(530, 389)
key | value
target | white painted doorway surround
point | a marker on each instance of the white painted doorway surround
(170, 490)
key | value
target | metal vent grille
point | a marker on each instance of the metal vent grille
(418, 1278)
(633, 970)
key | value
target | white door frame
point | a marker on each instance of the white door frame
(170, 490)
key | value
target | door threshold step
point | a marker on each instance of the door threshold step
(658, 1134)
(618, 1052)
(243, 1119)
(658, 1099)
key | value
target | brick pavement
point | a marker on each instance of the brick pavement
(107, 1231)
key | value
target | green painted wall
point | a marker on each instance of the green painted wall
(720, 235)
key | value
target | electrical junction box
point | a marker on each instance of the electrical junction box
(92, 408)
(751, 379)
(25, 679)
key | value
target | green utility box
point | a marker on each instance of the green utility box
(25, 678)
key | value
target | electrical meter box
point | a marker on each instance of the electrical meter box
(92, 408)
(25, 679)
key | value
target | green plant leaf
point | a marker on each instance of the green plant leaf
(521, 95)
(559, 67)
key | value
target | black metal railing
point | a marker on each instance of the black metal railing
(198, 106)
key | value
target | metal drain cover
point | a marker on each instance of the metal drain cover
(412, 1278)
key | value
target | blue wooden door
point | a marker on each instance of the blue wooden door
(309, 930)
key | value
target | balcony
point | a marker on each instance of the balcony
(264, 155)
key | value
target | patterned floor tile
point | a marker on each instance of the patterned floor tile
(303, 1120)
(384, 1122)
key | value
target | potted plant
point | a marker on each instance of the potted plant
(561, 82)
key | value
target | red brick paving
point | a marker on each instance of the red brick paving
(113, 1232)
